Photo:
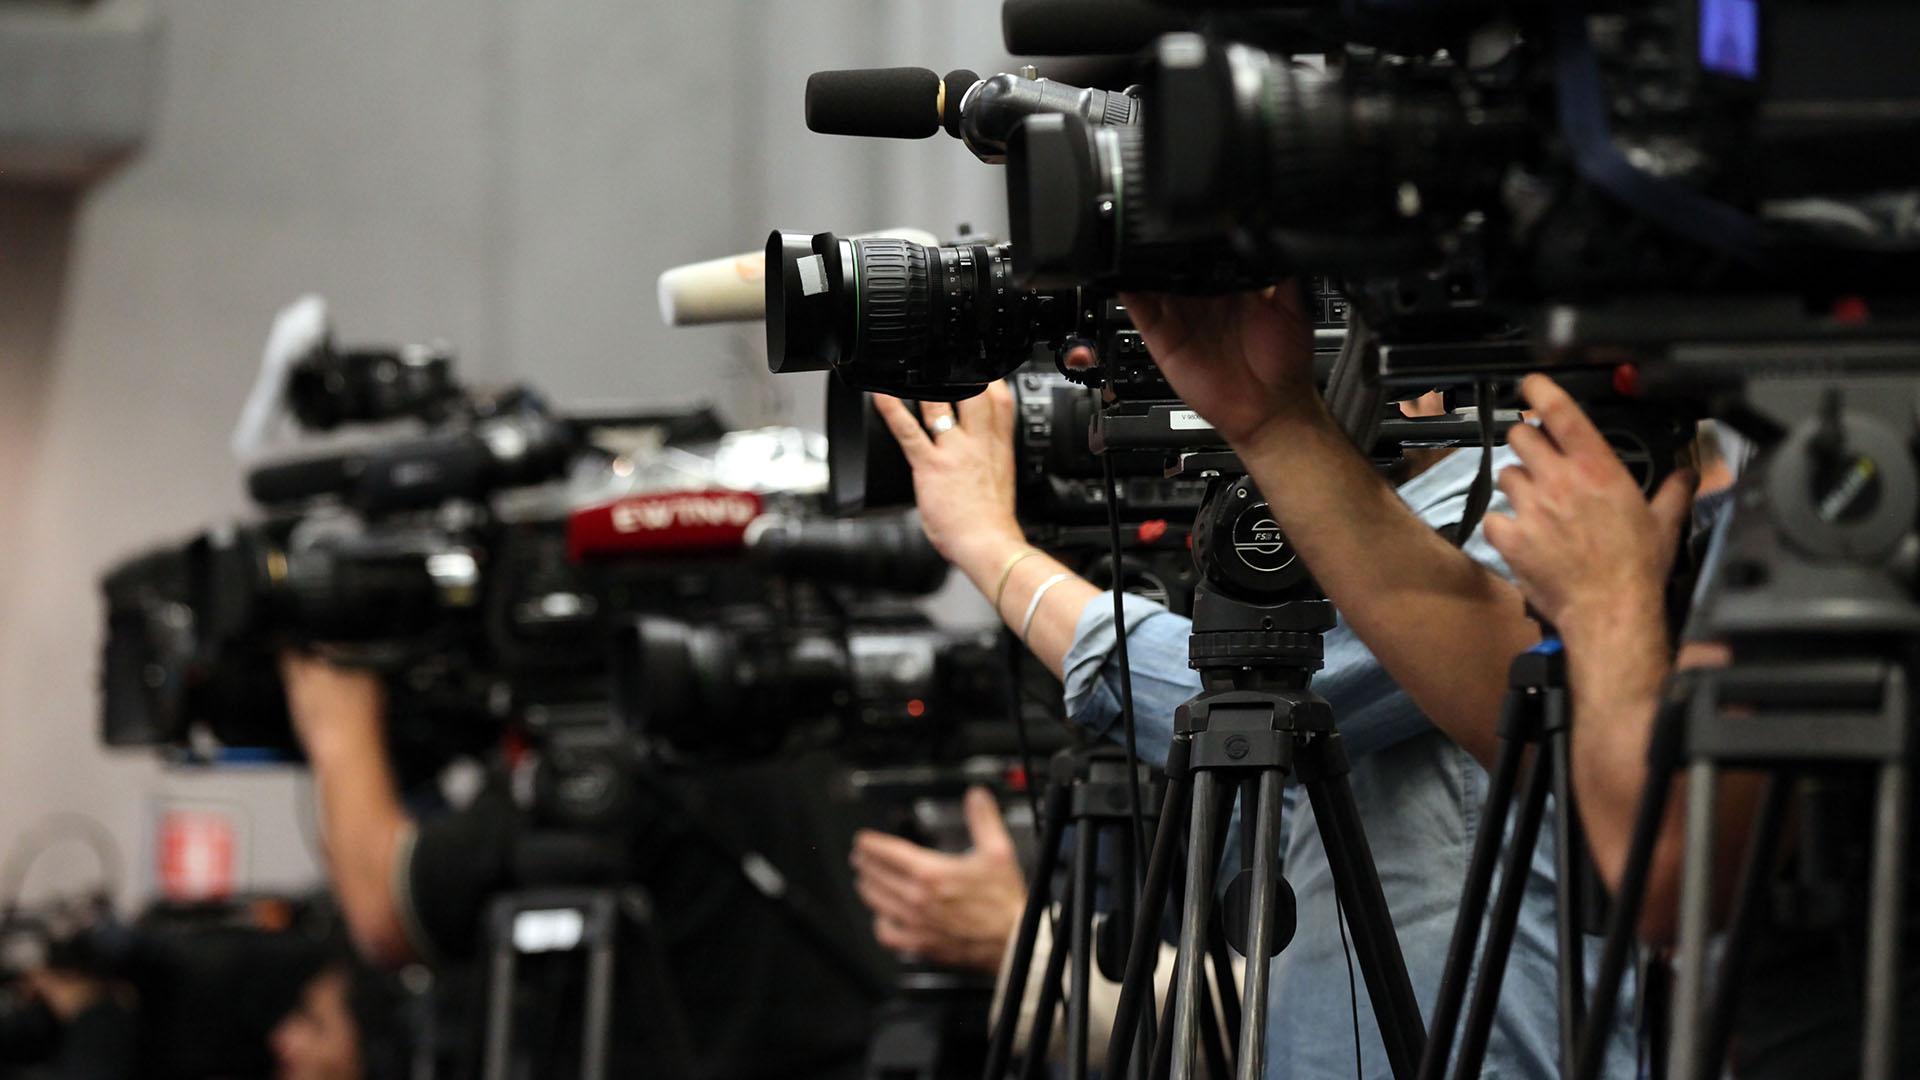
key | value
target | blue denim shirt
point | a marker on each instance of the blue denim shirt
(1420, 799)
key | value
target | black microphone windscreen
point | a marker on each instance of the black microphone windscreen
(1085, 27)
(306, 478)
(884, 103)
(954, 87)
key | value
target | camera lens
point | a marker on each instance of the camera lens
(737, 687)
(357, 386)
(1076, 195)
(890, 315)
(1064, 199)
(880, 551)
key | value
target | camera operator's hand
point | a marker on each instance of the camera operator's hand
(963, 476)
(963, 483)
(329, 703)
(1243, 362)
(67, 994)
(1592, 555)
(1586, 546)
(951, 909)
(339, 715)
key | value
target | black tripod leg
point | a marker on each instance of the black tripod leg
(1569, 866)
(1034, 1066)
(1220, 1028)
(1213, 1037)
(1514, 872)
(1885, 914)
(1357, 885)
(1039, 890)
(1212, 1042)
(1749, 907)
(1217, 948)
(1696, 898)
(1163, 1043)
(1196, 908)
(1086, 843)
(1260, 928)
(1222, 956)
(1143, 949)
(1129, 904)
(1663, 753)
(1473, 908)
(596, 1020)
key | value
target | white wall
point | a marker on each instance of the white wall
(510, 176)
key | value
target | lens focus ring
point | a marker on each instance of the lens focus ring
(896, 302)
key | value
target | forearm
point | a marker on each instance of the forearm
(1445, 627)
(1050, 633)
(1618, 664)
(363, 822)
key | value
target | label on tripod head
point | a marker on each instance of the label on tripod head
(1258, 541)
(1186, 420)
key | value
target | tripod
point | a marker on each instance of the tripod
(587, 922)
(1535, 719)
(1821, 617)
(1257, 626)
(1086, 788)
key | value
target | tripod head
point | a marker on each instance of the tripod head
(1258, 615)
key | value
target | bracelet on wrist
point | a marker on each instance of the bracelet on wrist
(1033, 606)
(1006, 573)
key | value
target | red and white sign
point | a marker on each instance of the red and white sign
(663, 523)
(198, 855)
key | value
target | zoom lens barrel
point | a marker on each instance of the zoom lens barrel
(890, 315)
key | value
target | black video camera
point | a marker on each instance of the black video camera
(1528, 154)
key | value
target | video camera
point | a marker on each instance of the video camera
(1508, 156)
(455, 564)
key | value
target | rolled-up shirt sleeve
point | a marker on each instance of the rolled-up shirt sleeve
(1157, 658)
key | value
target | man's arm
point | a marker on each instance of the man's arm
(1593, 555)
(1442, 625)
(963, 481)
(338, 714)
(963, 484)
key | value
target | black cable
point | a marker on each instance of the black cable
(1010, 648)
(1353, 993)
(1126, 673)
(1480, 494)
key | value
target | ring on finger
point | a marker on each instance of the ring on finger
(941, 424)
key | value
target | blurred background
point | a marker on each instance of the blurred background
(508, 175)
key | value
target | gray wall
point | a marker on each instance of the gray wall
(508, 176)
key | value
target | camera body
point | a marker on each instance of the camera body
(1528, 156)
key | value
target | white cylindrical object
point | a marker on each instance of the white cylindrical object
(731, 289)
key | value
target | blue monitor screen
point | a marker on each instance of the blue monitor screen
(1730, 37)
